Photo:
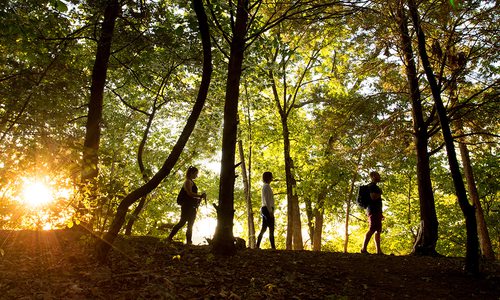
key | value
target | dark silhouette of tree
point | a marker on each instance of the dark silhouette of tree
(104, 245)
(472, 249)
(425, 244)
(90, 160)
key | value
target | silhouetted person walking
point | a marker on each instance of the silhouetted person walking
(374, 212)
(189, 200)
(267, 209)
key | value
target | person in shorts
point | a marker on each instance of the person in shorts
(374, 213)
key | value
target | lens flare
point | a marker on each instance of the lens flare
(36, 193)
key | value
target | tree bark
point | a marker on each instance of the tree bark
(427, 237)
(90, 158)
(104, 245)
(310, 218)
(294, 227)
(318, 214)
(350, 200)
(248, 198)
(223, 242)
(472, 248)
(484, 236)
(142, 169)
(294, 234)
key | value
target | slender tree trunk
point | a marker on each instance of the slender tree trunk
(472, 249)
(223, 242)
(103, 246)
(484, 237)
(142, 169)
(315, 220)
(410, 190)
(90, 159)
(427, 237)
(310, 218)
(294, 230)
(294, 227)
(135, 215)
(298, 243)
(318, 228)
(350, 200)
(248, 198)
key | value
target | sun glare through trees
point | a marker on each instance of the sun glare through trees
(41, 204)
(36, 193)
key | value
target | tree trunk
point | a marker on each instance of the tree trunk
(318, 214)
(472, 249)
(135, 215)
(349, 201)
(103, 246)
(427, 237)
(297, 225)
(142, 169)
(318, 228)
(348, 208)
(294, 227)
(410, 191)
(484, 237)
(223, 242)
(90, 157)
(310, 218)
(248, 198)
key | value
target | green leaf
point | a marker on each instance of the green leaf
(178, 257)
(60, 6)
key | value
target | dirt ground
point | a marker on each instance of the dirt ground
(60, 265)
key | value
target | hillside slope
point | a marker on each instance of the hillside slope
(59, 265)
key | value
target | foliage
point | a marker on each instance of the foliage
(351, 113)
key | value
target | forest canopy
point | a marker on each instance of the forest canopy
(324, 98)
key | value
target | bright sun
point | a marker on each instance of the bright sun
(36, 193)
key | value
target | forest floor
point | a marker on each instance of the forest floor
(60, 265)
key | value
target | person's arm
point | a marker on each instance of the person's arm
(267, 195)
(375, 196)
(188, 187)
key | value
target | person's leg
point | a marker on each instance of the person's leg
(261, 234)
(264, 214)
(190, 221)
(377, 228)
(368, 236)
(271, 232)
(377, 242)
(179, 225)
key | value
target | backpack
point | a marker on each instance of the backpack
(363, 199)
(181, 197)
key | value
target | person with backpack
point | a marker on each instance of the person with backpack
(374, 213)
(189, 200)
(267, 209)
